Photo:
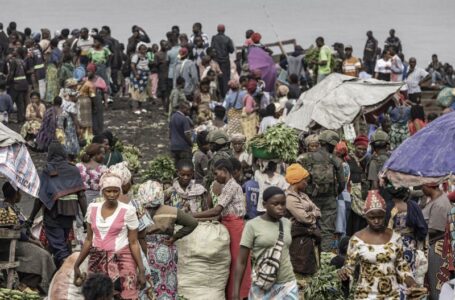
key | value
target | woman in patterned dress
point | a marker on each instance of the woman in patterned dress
(379, 252)
(140, 72)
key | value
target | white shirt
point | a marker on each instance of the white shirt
(414, 79)
(383, 66)
(264, 181)
(103, 226)
(266, 123)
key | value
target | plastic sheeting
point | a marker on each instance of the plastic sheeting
(426, 157)
(337, 100)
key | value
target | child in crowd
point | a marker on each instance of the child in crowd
(6, 103)
(203, 99)
(238, 141)
(251, 190)
(267, 176)
(220, 115)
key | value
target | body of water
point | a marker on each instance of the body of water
(424, 27)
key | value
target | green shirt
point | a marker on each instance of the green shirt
(259, 235)
(99, 57)
(325, 54)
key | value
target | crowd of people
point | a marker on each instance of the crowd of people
(279, 215)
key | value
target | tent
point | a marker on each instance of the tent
(338, 99)
(16, 163)
(425, 157)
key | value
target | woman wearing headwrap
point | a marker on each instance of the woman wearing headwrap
(379, 252)
(100, 55)
(161, 250)
(238, 141)
(406, 218)
(304, 214)
(249, 113)
(91, 168)
(61, 194)
(233, 103)
(260, 235)
(111, 243)
(140, 72)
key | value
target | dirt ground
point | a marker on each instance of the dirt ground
(148, 131)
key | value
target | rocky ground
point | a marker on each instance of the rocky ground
(148, 131)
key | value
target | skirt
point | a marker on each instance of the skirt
(52, 85)
(119, 266)
(138, 87)
(85, 111)
(249, 125)
(162, 260)
(235, 226)
(234, 121)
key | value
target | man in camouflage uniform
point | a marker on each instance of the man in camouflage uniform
(326, 182)
(379, 143)
(220, 146)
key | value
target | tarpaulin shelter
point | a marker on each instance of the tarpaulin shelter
(16, 163)
(425, 157)
(338, 99)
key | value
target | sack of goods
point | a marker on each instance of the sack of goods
(62, 285)
(204, 259)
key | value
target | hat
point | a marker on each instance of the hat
(379, 136)
(361, 140)
(311, 139)
(283, 90)
(183, 52)
(238, 137)
(36, 36)
(330, 137)
(110, 180)
(374, 202)
(70, 82)
(91, 67)
(220, 27)
(256, 37)
(296, 173)
(218, 137)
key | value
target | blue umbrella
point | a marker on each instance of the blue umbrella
(426, 157)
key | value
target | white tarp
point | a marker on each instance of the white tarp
(337, 100)
(9, 137)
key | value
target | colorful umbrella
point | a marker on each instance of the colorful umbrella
(426, 157)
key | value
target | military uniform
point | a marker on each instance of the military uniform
(325, 184)
(218, 137)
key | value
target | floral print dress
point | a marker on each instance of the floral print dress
(382, 268)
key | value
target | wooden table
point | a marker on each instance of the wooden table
(12, 235)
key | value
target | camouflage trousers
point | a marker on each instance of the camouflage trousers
(328, 207)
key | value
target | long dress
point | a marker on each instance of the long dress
(66, 123)
(381, 266)
(52, 85)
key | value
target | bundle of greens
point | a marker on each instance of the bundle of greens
(325, 284)
(280, 141)
(161, 169)
(130, 154)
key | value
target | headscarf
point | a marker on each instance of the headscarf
(91, 67)
(150, 194)
(238, 137)
(252, 86)
(36, 36)
(361, 140)
(342, 149)
(122, 171)
(256, 37)
(311, 139)
(70, 82)
(139, 46)
(59, 177)
(296, 173)
(271, 191)
(374, 202)
(109, 179)
(283, 90)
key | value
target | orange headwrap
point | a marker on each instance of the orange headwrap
(296, 173)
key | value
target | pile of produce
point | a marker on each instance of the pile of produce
(161, 169)
(325, 284)
(7, 294)
(8, 217)
(131, 155)
(277, 142)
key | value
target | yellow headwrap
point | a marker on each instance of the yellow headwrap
(296, 173)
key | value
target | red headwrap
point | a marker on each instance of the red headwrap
(374, 201)
(256, 37)
(342, 149)
(91, 67)
(251, 86)
(220, 27)
(183, 52)
(361, 140)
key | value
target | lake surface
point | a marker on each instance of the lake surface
(424, 27)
